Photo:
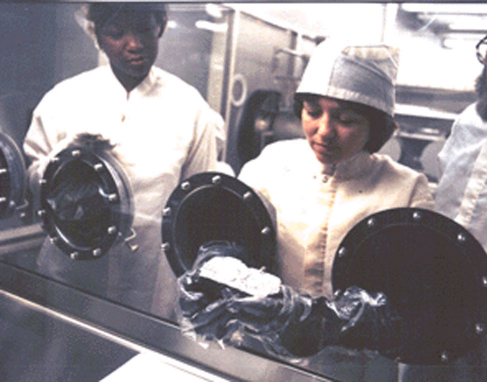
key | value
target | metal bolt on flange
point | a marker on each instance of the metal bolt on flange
(479, 328)
(3, 199)
(247, 196)
(166, 211)
(445, 357)
(112, 197)
(97, 252)
(461, 237)
(371, 223)
(266, 231)
(3, 171)
(216, 179)
(112, 230)
(98, 167)
(185, 186)
(165, 246)
(417, 216)
(342, 252)
(41, 213)
(74, 255)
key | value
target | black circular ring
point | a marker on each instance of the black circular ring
(433, 272)
(214, 206)
(114, 194)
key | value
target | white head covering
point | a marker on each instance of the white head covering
(363, 74)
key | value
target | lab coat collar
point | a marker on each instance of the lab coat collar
(350, 168)
(147, 84)
(143, 88)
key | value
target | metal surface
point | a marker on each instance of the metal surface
(433, 272)
(214, 206)
(110, 210)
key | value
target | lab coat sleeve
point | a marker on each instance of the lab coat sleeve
(221, 142)
(40, 145)
(450, 148)
(202, 155)
(256, 173)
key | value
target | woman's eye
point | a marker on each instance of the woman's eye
(113, 33)
(346, 118)
(313, 113)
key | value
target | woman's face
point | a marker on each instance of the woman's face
(130, 41)
(334, 131)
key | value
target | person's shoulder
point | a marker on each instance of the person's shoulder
(275, 163)
(469, 114)
(393, 168)
(468, 120)
(470, 109)
(71, 88)
(173, 83)
(283, 156)
(468, 127)
(288, 147)
(85, 78)
(74, 85)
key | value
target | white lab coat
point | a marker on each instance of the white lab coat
(317, 205)
(462, 193)
(163, 132)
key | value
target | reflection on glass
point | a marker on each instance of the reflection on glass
(229, 54)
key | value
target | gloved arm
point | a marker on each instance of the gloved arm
(371, 322)
(221, 296)
(287, 322)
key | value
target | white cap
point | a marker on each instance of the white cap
(363, 74)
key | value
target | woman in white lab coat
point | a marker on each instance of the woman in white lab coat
(160, 129)
(323, 185)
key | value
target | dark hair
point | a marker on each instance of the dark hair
(382, 125)
(101, 13)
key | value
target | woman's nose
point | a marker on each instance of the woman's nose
(133, 41)
(326, 128)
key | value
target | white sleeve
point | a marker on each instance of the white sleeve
(221, 141)
(202, 155)
(41, 143)
(257, 173)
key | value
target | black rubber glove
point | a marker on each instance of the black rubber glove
(371, 322)
(211, 310)
(286, 322)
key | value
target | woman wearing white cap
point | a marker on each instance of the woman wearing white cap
(322, 186)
